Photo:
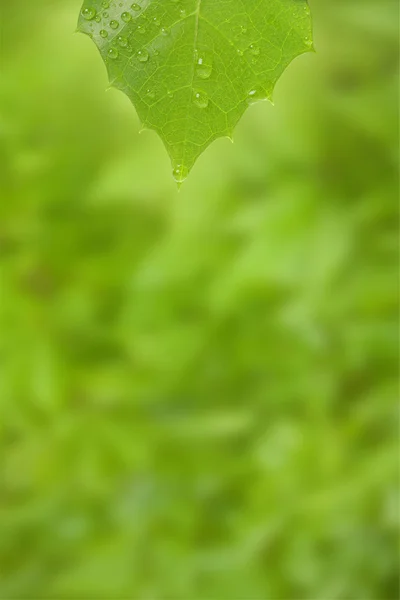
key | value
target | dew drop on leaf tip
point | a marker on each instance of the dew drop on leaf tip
(255, 96)
(180, 173)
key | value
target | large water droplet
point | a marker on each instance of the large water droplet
(180, 173)
(104, 33)
(136, 7)
(200, 99)
(203, 67)
(89, 13)
(114, 24)
(126, 17)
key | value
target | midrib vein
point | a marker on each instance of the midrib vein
(196, 35)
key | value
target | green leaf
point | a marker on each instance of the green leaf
(192, 67)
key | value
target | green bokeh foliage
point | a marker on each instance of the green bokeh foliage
(198, 390)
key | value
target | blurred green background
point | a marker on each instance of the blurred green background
(198, 390)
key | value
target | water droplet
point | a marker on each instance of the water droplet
(105, 4)
(203, 68)
(105, 15)
(122, 41)
(239, 52)
(136, 7)
(113, 53)
(151, 94)
(114, 24)
(170, 94)
(156, 21)
(97, 18)
(165, 31)
(141, 29)
(182, 13)
(126, 17)
(254, 49)
(89, 13)
(180, 173)
(200, 99)
(255, 96)
(142, 55)
(104, 33)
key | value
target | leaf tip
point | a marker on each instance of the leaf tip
(194, 120)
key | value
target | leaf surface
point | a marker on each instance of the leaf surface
(192, 67)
